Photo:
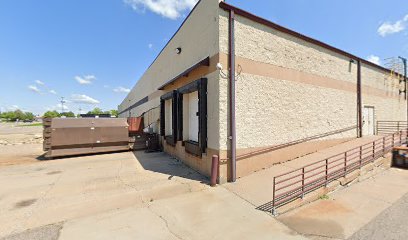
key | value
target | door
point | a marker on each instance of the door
(193, 116)
(368, 121)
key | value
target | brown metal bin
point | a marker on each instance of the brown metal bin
(74, 136)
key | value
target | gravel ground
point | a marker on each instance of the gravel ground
(49, 232)
(15, 134)
(389, 225)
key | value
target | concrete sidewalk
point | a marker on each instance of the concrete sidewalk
(48, 192)
(210, 214)
(124, 196)
(257, 187)
(351, 208)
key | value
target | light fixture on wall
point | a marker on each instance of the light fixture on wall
(226, 75)
(178, 50)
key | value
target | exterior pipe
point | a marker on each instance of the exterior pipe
(231, 60)
(359, 105)
(214, 170)
(404, 61)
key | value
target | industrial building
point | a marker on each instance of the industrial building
(232, 84)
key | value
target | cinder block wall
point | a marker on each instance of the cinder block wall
(290, 89)
(381, 91)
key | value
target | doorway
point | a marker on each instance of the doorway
(368, 121)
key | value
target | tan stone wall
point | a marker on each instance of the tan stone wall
(381, 91)
(273, 111)
(261, 43)
(291, 89)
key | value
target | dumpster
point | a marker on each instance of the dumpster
(76, 136)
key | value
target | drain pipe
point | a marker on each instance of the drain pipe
(231, 60)
(359, 105)
(404, 62)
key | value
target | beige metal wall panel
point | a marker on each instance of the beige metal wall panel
(198, 38)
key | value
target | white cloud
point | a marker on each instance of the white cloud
(12, 108)
(81, 98)
(389, 28)
(58, 108)
(84, 80)
(172, 9)
(53, 92)
(374, 59)
(150, 45)
(106, 86)
(34, 89)
(39, 82)
(121, 90)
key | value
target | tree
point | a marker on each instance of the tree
(96, 111)
(29, 116)
(18, 114)
(51, 114)
(114, 113)
(9, 116)
(68, 114)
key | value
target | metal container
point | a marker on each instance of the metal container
(75, 136)
(135, 124)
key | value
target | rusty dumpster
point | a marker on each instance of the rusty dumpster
(76, 136)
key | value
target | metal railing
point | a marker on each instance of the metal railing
(295, 184)
(388, 127)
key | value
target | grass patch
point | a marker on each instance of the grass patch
(324, 197)
(31, 125)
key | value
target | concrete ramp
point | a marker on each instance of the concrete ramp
(257, 187)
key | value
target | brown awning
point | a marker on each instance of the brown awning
(204, 62)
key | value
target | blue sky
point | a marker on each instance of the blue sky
(91, 52)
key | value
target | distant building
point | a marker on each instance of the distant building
(102, 115)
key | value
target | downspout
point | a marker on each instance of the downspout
(231, 60)
(405, 78)
(404, 61)
(359, 105)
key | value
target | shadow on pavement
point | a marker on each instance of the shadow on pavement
(163, 163)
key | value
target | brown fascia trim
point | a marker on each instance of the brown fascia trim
(204, 62)
(268, 23)
(138, 103)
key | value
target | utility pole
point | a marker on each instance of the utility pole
(62, 104)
